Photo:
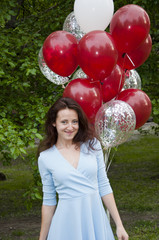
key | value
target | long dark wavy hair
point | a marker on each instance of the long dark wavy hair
(86, 130)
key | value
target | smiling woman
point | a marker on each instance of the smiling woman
(66, 125)
(71, 164)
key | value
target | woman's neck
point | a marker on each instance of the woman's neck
(64, 144)
(61, 144)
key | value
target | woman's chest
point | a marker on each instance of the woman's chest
(63, 172)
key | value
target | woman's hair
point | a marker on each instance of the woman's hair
(85, 132)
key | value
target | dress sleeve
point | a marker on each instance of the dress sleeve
(103, 181)
(49, 192)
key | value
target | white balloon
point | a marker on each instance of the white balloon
(93, 14)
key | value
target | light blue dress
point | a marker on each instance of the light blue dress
(80, 214)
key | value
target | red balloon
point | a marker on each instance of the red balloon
(140, 103)
(97, 54)
(60, 52)
(87, 94)
(113, 84)
(137, 57)
(129, 27)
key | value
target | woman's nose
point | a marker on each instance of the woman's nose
(70, 126)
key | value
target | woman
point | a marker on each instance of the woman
(71, 164)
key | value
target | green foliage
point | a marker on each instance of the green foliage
(155, 104)
(25, 94)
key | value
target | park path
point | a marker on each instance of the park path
(20, 227)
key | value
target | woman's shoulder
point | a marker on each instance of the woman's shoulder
(95, 143)
(46, 154)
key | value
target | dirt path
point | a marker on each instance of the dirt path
(20, 228)
(27, 228)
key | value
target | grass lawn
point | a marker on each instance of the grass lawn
(134, 176)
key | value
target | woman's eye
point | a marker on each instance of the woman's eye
(75, 121)
(64, 122)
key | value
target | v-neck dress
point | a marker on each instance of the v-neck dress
(79, 214)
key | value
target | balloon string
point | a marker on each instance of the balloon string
(100, 82)
(123, 56)
(92, 81)
(106, 158)
(130, 60)
(120, 83)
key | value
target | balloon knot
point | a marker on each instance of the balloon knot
(123, 55)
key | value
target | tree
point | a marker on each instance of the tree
(25, 94)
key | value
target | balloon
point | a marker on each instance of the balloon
(113, 84)
(137, 57)
(132, 80)
(97, 54)
(87, 94)
(60, 52)
(50, 75)
(92, 14)
(140, 103)
(71, 25)
(129, 27)
(114, 123)
(79, 74)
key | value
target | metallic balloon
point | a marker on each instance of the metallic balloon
(132, 80)
(114, 123)
(48, 73)
(71, 25)
(79, 74)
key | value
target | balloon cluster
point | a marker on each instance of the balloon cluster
(101, 65)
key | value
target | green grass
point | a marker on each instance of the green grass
(14, 215)
(145, 230)
(19, 178)
(134, 176)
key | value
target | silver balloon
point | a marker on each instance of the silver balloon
(48, 73)
(71, 25)
(114, 123)
(79, 74)
(132, 80)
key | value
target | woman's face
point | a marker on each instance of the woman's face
(66, 124)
